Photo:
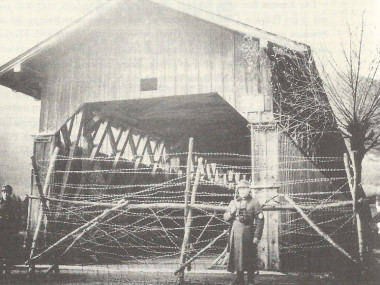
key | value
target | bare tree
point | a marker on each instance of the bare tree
(342, 101)
(340, 98)
(353, 91)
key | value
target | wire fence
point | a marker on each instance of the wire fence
(151, 227)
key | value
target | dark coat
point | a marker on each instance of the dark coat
(9, 227)
(244, 228)
(8, 218)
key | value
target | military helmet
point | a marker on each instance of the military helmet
(243, 184)
(7, 188)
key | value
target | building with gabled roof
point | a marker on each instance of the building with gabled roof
(133, 80)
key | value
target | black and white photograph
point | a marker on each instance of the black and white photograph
(191, 142)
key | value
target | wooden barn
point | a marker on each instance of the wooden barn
(134, 80)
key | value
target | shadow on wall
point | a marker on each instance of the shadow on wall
(19, 120)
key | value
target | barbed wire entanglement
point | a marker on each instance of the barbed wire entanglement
(148, 225)
(300, 103)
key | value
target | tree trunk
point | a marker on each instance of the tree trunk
(361, 207)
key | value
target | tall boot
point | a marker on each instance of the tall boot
(251, 277)
(239, 280)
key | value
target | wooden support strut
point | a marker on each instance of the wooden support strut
(188, 175)
(72, 154)
(76, 239)
(318, 230)
(187, 211)
(98, 219)
(43, 205)
(26, 239)
(204, 207)
(183, 266)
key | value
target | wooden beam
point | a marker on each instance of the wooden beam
(93, 124)
(28, 221)
(66, 138)
(187, 210)
(140, 156)
(112, 141)
(318, 230)
(89, 153)
(71, 123)
(122, 203)
(183, 266)
(149, 151)
(128, 139)
(96, 150)
(72, 154)
(189, 218)
(188, 175)
(43, 206)
(38, 181)
(205, 207)
(160, 152)
(121, 130)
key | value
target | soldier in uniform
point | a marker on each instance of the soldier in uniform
(247, 222)
(8, 229)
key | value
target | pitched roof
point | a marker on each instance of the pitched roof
(171, 4)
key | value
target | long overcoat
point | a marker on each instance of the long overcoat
(8, 226)
(246, 224)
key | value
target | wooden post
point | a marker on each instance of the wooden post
(202, 207)
(183, 266)
(252, 156)
(318, 230)
(189, 220)
(26, 239)
(188, 176)
(43, 205)
(207, 225)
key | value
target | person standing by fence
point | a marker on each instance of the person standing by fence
(247, 222)
(9, 227)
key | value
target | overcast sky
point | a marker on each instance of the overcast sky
(322, 24)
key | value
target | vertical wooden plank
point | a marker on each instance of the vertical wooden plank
(161, 59)
(171, 83)
(148, 56)
(68, 93)
(239, 74)
(59, 91)
(216, 61)
(125, 85)
(135, 63)
(246, 56)
(181, 57)
(192, 57)
(272, 156)
(265, 82)
(114, 72)
(204, 57)
(45, 100)
(228, 67)
(127, 137)
(72, 154)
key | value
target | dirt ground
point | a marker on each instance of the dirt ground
(104, 275)
(162, 274)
